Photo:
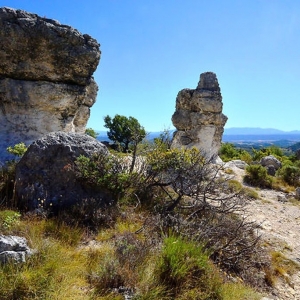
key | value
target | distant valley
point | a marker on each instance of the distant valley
(246, 137)
(261, 137)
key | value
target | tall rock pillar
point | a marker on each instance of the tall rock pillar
(198, 117)
(46, 81)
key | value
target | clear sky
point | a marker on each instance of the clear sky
(152, 49)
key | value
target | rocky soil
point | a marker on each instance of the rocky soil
(279, 219)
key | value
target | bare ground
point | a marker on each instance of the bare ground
(279, 219)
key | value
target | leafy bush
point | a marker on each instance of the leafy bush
(8, 218)
(17, 150)
(91, 132)
(184, 266)
(272, 150)
(229, 152)
(185, 193)
(110, 173)
(257, 175)
(184, 271)
(124, 131)
(290, 174)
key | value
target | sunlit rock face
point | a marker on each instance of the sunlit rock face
(198, 117)
(46, 81)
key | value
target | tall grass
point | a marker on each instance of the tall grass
(65, 267)
(183, 270)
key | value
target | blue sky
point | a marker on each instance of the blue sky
(153, 49)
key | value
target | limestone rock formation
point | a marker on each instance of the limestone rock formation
(198, 117)
(271, 163)
(46, 81)
(46, 177)
(270, 160)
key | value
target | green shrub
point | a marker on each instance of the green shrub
(257, 175)
(182, 270)
(17, 150)
(184, 266)
(228, 152)
(290, 174)
(8, 218)
(91, 132)
(110, 173)
(272, 150)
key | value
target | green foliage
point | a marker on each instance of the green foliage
(184, 271)
(53, 272)
(91, 132)
(17, 150)
(256, 175)
(272, 150)
(172, 160)
(229, 152)
(65, 266)
(8, 218)
(164, 140)
(179, 260)
(110, 173)
(124, 131)
(290, 174)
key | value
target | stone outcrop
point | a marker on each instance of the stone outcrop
(271, 163)
(46, 177)
(46, 81)
(198, 117)
(270, 160)
(13, 248)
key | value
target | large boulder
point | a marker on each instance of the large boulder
(46, 177)
(270, 161)
(198, 117)
(46, 81)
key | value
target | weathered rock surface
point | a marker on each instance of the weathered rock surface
(46, 81)
(237, 163)
(270, 160)
(45, 176)
(13, 248)
(198, 117)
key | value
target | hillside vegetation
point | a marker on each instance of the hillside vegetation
(175, 230)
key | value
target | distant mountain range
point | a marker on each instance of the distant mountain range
(257, 131)
(240, 135)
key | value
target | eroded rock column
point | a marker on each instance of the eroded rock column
(198, 117)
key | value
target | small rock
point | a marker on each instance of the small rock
(270, 160)
(282, 198)
(13, 248)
